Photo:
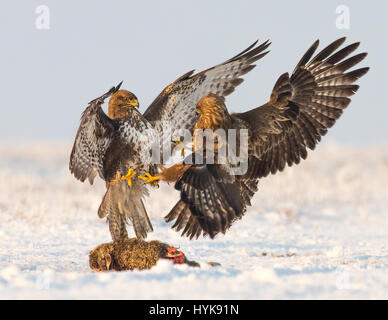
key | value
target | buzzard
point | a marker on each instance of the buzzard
(117, 146)
(299, 112)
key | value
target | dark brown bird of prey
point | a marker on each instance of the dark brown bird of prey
(299, 112)
(118, 146)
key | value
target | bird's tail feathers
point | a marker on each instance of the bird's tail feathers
(121, 203)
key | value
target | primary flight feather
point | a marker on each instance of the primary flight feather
(299, 112)
(118, 146)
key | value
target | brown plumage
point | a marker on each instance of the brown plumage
(112, 147)
(119, 146)
(211, 117)
(212, 114)
(300, 110)
(119, 102)
(173, 173)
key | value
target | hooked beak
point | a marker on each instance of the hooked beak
(133, 103)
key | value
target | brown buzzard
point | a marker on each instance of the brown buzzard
(299, 112)
(116, 146)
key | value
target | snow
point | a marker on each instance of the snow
(315, 231)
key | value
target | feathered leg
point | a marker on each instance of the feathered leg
(117, 226)
(122, 202)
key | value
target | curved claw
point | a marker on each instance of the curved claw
(182, 145)
(148, 179)
(177, 141)
(131, 173)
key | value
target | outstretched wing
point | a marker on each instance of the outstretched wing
(174, 108)
(300, 111)
(301, 108)
(93, 138)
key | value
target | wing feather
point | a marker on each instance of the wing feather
(174, 107)
(300, 111)
(93, 138)
(318, 91)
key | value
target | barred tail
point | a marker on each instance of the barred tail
(121, 203)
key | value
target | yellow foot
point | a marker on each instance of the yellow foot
(181, 145)
(131, 173)
(148, 179)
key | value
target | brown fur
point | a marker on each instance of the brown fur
(129, 254)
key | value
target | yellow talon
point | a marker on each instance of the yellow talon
(148, 179)
(177, 142)
(181, 145)
(131, 173)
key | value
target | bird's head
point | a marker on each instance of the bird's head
(212, 111)
(121, 103)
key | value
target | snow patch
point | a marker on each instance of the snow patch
(316, 230)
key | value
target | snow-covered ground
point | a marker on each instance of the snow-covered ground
(317, 230)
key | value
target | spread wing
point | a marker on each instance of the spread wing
(301, 108)
(93, 138)
(174, 108)
(300, 111)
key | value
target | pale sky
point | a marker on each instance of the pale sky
(48, 76)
